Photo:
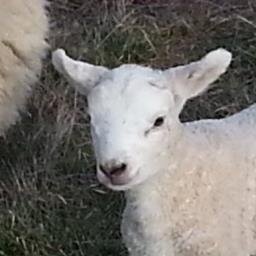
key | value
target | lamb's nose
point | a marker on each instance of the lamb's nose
(112, 170)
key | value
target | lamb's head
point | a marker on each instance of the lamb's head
(135, 110)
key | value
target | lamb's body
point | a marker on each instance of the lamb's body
(23, 31)
(206, 203)
(191, 187)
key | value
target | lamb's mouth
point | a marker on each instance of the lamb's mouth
(121, 182)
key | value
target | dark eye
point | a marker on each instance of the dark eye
(159, 121)
(88, 118)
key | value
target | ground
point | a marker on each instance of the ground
(50, 201)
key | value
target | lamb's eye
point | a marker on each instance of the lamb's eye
(159, 121)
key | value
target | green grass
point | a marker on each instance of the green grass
(50, 201)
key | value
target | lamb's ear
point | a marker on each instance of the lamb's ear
(190, 80)
(81, 75)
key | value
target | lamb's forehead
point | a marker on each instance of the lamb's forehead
(131, 85)
(134, 71)
(129, 78)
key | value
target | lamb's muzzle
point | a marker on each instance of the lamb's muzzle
(116, 173)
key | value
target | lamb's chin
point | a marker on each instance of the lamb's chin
(115, 187)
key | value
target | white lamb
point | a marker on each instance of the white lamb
(190, 187)
(23, 29)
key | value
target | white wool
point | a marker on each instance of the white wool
(190, 187)
(23, 31)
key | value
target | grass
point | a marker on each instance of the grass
(50, 201)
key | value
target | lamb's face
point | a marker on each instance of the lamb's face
(134, 112)
(134, 124)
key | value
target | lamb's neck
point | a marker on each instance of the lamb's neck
(195, 149)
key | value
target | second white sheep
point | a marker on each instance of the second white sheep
(23, 32)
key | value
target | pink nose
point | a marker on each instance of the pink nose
(112, 170)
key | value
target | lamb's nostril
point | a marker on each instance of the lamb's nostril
(105, 170)
(113, 170)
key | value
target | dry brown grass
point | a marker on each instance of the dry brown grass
(50, 201)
